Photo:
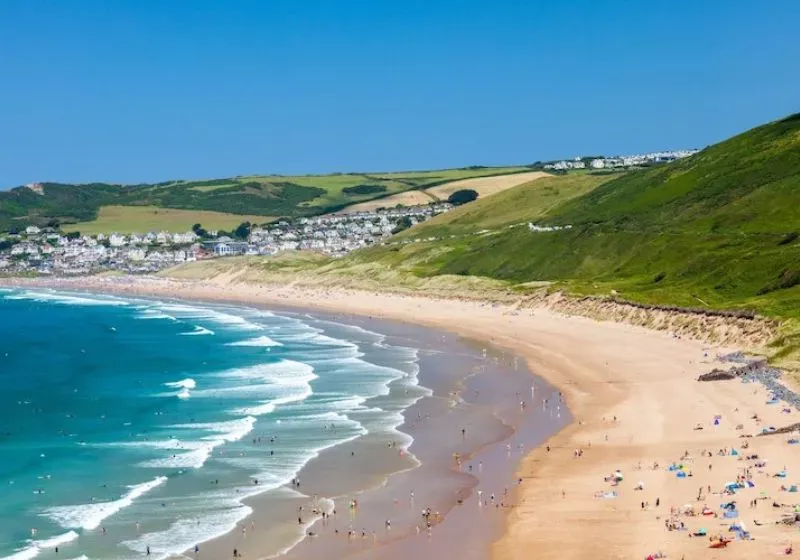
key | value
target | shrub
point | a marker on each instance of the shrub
(462, 197)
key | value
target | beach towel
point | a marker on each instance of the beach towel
(731, 514)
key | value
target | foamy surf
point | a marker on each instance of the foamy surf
(228, 320)
(35, 547)
(324, 392)
(90, 516)
(208, 516)
(200, 450)
(187, 383)
(198, 331)
(264, 341)
(65, 299)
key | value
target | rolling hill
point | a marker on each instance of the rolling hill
(719, 230)
(240, 198)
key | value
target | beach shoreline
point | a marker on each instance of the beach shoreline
(636, 406)
(498, 420)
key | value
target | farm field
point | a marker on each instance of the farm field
(141, 219)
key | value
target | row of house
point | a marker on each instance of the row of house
(47, 251)
(620, 161)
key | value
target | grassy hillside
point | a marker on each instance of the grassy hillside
(719, 230)
(263, 196)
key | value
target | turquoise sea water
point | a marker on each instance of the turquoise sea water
(127, 424)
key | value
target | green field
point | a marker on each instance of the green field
(280, 196)
(142, 219)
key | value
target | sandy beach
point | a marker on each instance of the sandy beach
(650, 454)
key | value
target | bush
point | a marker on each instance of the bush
(462, 197)
(403, 224)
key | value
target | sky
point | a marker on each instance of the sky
(144, 91)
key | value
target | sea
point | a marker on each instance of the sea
(129, 425)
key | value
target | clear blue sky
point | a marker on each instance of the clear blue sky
(152, 90)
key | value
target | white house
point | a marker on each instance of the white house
(117, 240)
(137, 254)
(597, 163)
(184, 238)
(223, 250)
(32, 230)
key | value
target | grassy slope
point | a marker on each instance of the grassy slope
(256, 195)
(141, 219)
(716, 230)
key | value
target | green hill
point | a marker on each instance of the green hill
(267, 196)
(718, 230)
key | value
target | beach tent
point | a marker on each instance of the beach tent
(618, 476)
(680, 474)
(793, 488)
(734, 452)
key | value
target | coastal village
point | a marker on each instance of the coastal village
(52, 252)
(619, 162)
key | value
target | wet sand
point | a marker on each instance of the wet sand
(478, 393)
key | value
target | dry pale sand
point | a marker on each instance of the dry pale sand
(485, 186)
(644, 378)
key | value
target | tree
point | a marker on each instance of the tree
(462, 197)
(243, 231)
(73, 235)
(403, 224)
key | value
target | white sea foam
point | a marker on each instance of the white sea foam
(198, 330)
(66, 299)
(258, 341)
(187, 383)
(199, 451)
(35, 547)
(206, 516)
(227, 319)
(90, 516)
(149, 313)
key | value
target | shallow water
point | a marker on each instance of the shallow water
(131, 423)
